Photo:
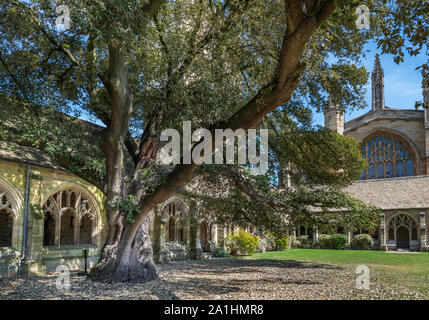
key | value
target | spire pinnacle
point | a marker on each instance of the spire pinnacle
(377, 79)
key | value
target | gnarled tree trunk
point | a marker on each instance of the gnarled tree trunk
(121, 262)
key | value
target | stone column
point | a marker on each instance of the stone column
(158, 241)
(382, 235)
(187, 231)
(214, 234)
(316, 234)
(350, 236)
(196, 251)
(33, 265)
(76, 230)
(57, 232)
(423, 244)
(221, 236)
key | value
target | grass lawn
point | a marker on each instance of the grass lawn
(410, 270)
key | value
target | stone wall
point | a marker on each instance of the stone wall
(408, 124)
(43, 183)
(42, 258)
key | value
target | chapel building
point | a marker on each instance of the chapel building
(395, 143)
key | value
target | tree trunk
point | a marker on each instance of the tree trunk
(123, 263)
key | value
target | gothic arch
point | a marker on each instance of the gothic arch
(11, 206)
(400, 221)
(389, 154)
(175, 213)
(68, 210)
(178, 200)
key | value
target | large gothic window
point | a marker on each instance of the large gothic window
(69, 219)
(388, 156)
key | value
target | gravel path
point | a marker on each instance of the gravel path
(218, 279)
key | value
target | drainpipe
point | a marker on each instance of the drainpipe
(24, 237)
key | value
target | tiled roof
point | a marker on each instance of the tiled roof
(395, 193)
(11, 151)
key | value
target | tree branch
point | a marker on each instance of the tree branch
(152, 7)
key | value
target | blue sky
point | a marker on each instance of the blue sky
(402, 83)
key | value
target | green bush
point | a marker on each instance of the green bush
(335, 241)
(267, 243)
(362, 242)
(241, 243)
(304, 242)
(219, 253)
(339, 241)
(324, 241)
(281, 242)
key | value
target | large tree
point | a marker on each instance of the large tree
(142, 66)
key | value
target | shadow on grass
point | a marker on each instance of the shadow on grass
(229, 266)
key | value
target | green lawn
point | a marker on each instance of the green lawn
(404, 269)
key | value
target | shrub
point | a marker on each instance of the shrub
(335, 241)
(267, 243)
(294, 242)
(219, 253)
(304, 242)
(362, 241)
(242, 243)
(324, 241)
(281, 242)
(339, 241)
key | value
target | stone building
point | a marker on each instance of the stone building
(395, 143)
(51, 217)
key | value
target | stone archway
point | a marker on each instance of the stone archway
(6, 227)
(177, 221)
(403, 238)
(404, 230)
(10, 208)
(67, 212)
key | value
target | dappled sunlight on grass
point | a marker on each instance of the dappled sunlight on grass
(401, 269)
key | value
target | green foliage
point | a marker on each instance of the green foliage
(362, 242)
(219, 253)
(128, 207)
(152, 178)
(272, 241)
(242, 243)
(324, 241)
(303, 242)
(339, 241)
(334, 241)
(281, 242)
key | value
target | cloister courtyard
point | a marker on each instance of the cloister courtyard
(283, 275)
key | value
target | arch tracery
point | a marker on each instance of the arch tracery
(174, 212)
(401, 221)
(10, 208)
(71, 218)
(7, 218)
(388, 156)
